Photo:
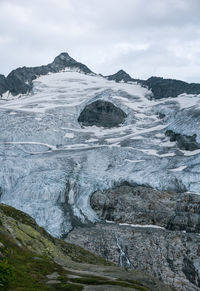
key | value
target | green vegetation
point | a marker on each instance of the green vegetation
(6, 274)
(38, 240)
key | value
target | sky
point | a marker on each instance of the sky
(143, 37)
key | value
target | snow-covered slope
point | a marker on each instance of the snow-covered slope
(50, 164)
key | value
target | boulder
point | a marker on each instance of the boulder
(102, 113)
(184, 142)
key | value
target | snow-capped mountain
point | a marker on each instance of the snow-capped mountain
(52, 160)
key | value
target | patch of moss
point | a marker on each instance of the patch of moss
(17, 214)
(80, 255)
(28, 273)
(38, 240)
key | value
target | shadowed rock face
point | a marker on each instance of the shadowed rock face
(163, 88)
(184, 142)
(3, 84)
(102, 113)
(143, 205)
(120, 76)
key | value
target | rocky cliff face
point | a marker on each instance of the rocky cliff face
(143, 205)
(149, 229)
(163, 88)
(102, 113)
(3, 84)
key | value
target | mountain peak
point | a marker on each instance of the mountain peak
(122, 72)
(19, 81)
(63, 58)
(121, 75)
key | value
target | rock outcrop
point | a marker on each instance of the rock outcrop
(3, 84)
(143, 205)
(171, 256)
(134, 205)
(164, 88)
(120, 76)
(102, 113)
(155, 230)
(184, 142)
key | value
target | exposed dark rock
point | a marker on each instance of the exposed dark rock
(162, 253)
(142, 205)
(191, 272)
(120, 76)
(187, 213)
(160, 87)
(184, 142)
(137, 205)
(19, 81)
(163, 88)
(3, 84)
(102, 113)
(171, 254)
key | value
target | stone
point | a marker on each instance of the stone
(3, 84)
(52, 276)
(144, 228)
(143, 205)
(53, 282)
(102, 113)
(161, 253)
(164, 88)
(184, 142)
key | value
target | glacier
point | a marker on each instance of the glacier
(51, 164)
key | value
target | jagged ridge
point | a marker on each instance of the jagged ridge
(19, 81)
(160, 87)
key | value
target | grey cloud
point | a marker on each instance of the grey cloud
(145, 38)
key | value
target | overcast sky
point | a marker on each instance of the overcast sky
(143, 37)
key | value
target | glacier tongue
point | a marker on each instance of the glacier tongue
(50, 165)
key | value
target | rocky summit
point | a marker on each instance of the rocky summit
(111, 164)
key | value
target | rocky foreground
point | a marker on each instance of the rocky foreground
(147, 229)
(31, 259)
